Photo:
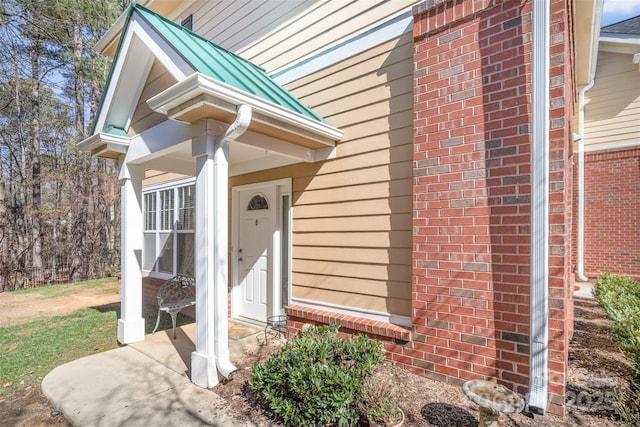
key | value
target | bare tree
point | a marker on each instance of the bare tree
(55, 201)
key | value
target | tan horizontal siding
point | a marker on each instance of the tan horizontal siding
(365, 223)
(373, 141)
(157, 177)
(612, 106)
(347, 254)
(382, 157)
(383, 206)
(220, 20)
(378, 57)
(352, 299)
(351, 178)
(144, 118)
(604, 109)
(395, 121)
(380, 190)
(362, 226)
(389, 239)
(316, 31)
(395, 273)
(379, 288)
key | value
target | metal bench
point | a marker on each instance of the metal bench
(175, 294)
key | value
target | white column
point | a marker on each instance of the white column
(131, 324)
(211, 248)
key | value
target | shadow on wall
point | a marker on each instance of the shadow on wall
(506, 87)
(397, 69)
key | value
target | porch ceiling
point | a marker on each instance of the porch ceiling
(246, 156)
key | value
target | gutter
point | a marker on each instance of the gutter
(199, 89)
(580, 255)
(595, 30)
(539, 261)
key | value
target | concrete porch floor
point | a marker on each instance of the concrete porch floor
(145, 383)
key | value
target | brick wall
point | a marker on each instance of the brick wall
(562, 96)
(472, 193)
(612, 212)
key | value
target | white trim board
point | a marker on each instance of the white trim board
(368, 38)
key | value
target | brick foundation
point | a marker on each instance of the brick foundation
(376, 329)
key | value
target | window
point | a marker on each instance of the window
(257, 202)
(169, 225)
(285, 266)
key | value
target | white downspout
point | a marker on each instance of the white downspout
(221, 297)
(580, 255)
(539, 261)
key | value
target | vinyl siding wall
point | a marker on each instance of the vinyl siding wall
(144, 118)
(352, 215)
(612, 106)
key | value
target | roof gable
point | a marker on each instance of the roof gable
(220, 64)
(147, 36)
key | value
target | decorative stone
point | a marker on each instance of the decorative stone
(493, 399)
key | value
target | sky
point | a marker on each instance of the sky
(618, 10)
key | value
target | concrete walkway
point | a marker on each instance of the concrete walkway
(583, 290)
(142, 384)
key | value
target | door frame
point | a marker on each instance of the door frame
(275, 257)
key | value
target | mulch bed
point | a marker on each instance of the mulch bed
(596, 371)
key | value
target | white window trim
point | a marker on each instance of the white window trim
(157, 189)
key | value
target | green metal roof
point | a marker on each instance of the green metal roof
(112, 130)
(216, 62)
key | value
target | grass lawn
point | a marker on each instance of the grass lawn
(32, 349)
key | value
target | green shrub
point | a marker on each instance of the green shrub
(315, 380)
(620, 297)
(376, 403)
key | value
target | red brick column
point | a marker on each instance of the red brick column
(562, 97)
(471, 239)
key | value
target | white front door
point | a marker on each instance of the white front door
(254, 251)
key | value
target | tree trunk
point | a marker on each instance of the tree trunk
(78, 48)
(3, 228)
(36, 199)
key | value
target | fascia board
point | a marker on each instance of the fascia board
(111, 89)
(139, 42)
(164, 52)
(112, 34)
(627, 39)
(622, 48)
(199, 84)
(115, 143)
(162, 138)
